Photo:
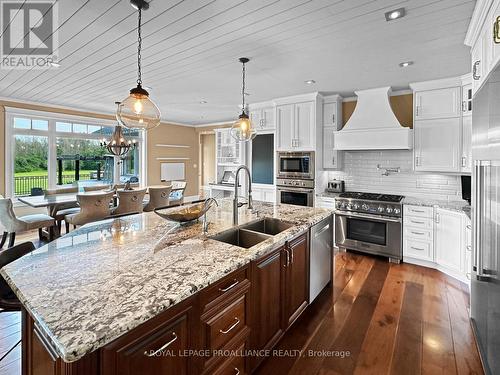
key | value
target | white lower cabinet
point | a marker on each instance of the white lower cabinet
(264, 193)
(449, 239)
(439, 238)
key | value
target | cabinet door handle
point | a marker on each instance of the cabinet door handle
(419, 211)
(464, 161)
(469, 247)
(417, 110)
(438, 219)
(496, 31)
(333, 118)
(333, 159)
(291, 254)
(287, 259)
(469, 226)
(464, 106)
(236, 282)
(418, 233)
(474, 70)
(417, 161)
(233, 326)
(237, 371)
(417, 248)
(174, 335)
(417, 222)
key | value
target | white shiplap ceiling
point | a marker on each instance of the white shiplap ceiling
(191, 47)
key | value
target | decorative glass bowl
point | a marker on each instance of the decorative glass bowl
(186, 213)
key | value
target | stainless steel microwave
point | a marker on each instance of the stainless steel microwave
(295, 165)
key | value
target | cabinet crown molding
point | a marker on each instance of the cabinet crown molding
(437, 84)
(476, 23)
(297, 98)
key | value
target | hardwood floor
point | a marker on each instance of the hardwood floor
(378, 318)
(382, 318)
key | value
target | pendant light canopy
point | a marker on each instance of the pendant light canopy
(242, 130)
(118, 145)
(138, 111)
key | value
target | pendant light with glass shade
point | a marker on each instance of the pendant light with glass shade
(138, 111)
(117, 145)
(242, 130)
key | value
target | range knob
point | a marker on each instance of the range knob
(365, 207)
(303, 184)
(349, 206)
(397, 211)
(355, 206)
(339, 205)
(380, 209)
(389, 210)
(296, 183)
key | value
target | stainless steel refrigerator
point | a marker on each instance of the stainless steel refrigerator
(485, 282)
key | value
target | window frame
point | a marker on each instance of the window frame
(52, 135)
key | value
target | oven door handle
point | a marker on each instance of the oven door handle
(368, 216)
(294, 189)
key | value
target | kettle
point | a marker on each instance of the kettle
(335, 186)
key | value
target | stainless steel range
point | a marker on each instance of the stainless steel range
(370, 223)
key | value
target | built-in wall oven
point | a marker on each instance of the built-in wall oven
(297, 192)
(296, 165)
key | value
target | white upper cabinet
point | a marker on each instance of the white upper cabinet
(438, 145)
(330, 116)
(466, 160)
(305, 125)
(330, 156)
(467, 100)
(263, 117)
(296, 126)
(449, 241)
(285, 126)
(440, 103)
(495, 21)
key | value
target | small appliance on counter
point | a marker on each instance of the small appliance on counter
(335, 186)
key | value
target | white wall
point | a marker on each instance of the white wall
(360, 174)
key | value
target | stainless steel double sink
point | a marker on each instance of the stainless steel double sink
(250, 234)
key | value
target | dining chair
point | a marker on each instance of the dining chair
(96, 188)
(13, 224)
(8, 300)
(59, 211)
(129, 201)
(158, 197)
(177, 194)
(93, 207)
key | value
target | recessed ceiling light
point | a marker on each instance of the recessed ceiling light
(395, 14)
(55, 64)
(203, 102)
(405, 64)
(310, 81)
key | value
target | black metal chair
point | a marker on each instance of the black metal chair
(8, 300)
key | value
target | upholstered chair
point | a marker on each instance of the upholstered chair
(8, 300)
(93, 207)
(96, 187)
(129, 201)
(177, 194)
(158, 197)
(13, 224)
(59, 211)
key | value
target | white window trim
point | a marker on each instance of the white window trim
(52, 117)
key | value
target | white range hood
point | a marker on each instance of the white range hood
(373, 125)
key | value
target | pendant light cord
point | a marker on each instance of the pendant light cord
(243, 90)
(139, 47)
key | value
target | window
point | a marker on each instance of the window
(49, 150)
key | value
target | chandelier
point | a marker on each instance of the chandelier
(117, 145)
(242, 129)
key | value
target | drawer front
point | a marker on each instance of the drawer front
(417, 222)
(418, 249)
(229, 322)
(418, 234)
(234, 365)
(219, 291)
(420, 211)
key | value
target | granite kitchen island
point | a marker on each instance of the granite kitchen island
(104, 280)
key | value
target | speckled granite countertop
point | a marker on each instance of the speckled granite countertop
(458, 205)
(98, 282)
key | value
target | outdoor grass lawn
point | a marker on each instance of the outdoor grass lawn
(44, 173)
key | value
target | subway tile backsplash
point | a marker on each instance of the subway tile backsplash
(360, 174)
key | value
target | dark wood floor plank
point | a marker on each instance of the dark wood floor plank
(466, 353)
(378, 346)
(408, 349)
(353, 332)
(332, 325)
(438, 356)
